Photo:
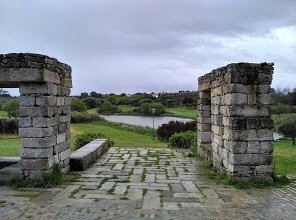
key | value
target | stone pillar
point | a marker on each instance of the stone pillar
(45, 113)
(241, 124)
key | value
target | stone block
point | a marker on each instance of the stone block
(62, 127)
(236, 99)
(253, 147)
(41, 122)
(36, 164)
(236, 147)
(67, 82)
(214, 110)
(60, 101)
(217, 130)
(44, 142)
(68, 100)
(242, 170)
(237, 123)
(217, 139)
(27, 101)
(35, 88)
(264, 170)
(36, 152)
(66, 110)
(250, 159)
(266, 147)
(36, 111)
(64, 155)
(203, 127)
(266, 123)
(205, 137)
(265, 134)
(20, 75)
(61, 137)
(205, 114)
(238, 88)
(264, 99)
(25, 122)
(35, 132)
(252, 123)
(263, 89)
(47, 101)
(61, 147)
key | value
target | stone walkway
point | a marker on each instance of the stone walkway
(147, 184)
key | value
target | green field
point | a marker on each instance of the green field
(284, 157)
(182, 111)
(123, 136)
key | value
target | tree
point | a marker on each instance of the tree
(12, 108)
(188, 101)
(90, 102)
(288, 129)
(83, 95)
(96, 95)
(146, 108)
(78, 105)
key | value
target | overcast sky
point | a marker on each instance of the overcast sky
(152, 45)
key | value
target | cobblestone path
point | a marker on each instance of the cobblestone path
(147, 184)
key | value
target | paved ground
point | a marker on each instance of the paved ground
(147, 184)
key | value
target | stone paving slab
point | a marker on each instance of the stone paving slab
(151, 183)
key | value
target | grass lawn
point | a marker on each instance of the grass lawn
(182, 111)
(284, 157)
(9, 145)
(123, 136)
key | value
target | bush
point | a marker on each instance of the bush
(146, 108)
(85, 117)
(87, 137)
(282, 109)
(8, 126)
(288, 129)
(91, 102)
(182, 140)
(164, 131)
(107, 107)
(12, 108)
(78, 105)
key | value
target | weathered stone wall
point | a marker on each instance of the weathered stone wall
(234, 125)
(44, 125)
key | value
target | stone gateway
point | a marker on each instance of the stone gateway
(45, 113)
(235, 129)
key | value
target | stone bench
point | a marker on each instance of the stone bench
(82, 158)
(8, 161)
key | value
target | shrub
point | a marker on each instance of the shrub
(182, 140)
(107, 107)
(12, 108)
(77, 105)
(164, 131)
(146, 108)
(87, 137)
(283, 109)
(8, 126)
(85, 117)
(91, 102)
(288, 129)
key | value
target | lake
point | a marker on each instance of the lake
(147, 121)
(143, 121)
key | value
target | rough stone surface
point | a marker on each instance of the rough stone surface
(104, 193)
(235, 129)
(44, 84)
